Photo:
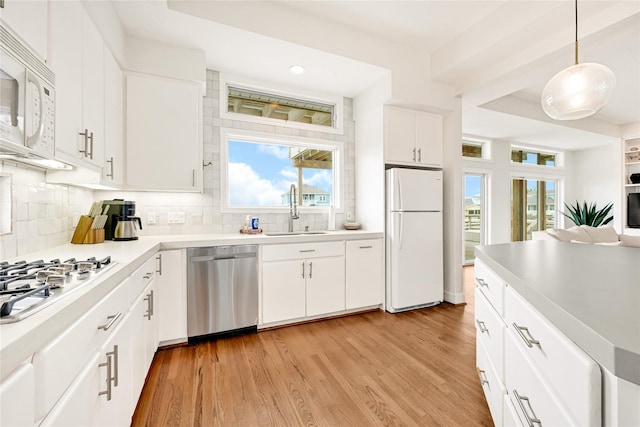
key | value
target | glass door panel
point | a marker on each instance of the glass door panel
(533, 207)
(473, 215)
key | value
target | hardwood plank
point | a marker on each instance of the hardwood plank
(372, 369)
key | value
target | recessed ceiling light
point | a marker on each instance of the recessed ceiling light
(296, 69)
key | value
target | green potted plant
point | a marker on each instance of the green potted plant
(589, 215)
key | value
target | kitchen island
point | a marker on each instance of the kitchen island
(591, 295)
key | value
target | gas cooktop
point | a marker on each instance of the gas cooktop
(28, 287)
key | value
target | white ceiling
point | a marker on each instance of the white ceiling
(497, 55)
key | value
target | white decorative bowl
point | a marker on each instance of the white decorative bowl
(351, 225)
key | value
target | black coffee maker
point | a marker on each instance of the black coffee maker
(117, 208)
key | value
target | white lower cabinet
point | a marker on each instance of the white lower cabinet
(17, 397)
(172, 296)
(492, 386)
(145, 337)
(302, 279)
(364, 273)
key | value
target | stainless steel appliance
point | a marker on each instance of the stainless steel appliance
(126, 228)
(28, 287)
(117, 207)
(222, 290)
(415, 264)
(27, 102)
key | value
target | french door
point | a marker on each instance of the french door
(473, 215)
(533, 207)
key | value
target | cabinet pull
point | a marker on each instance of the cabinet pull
(310, 269)
(110, 161)
(193, 177)
(159, 270)
(86, 142)
(114, 354)
(481, 282)
(112, 319)
(307, 250)
(481, 326)
(366, 247)
(91, 145)
(108, 390)
(303, 269)
(414, 154)
(149, 300)
(529, 340)
(531, 419)
(483, 377)
(420, 154)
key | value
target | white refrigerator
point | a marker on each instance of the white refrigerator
(413, 239)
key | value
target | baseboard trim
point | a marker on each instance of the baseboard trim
(454, 298)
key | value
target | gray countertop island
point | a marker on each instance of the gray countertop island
(591, 293)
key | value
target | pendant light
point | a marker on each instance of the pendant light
(578, 91)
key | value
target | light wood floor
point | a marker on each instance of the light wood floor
(372, 369)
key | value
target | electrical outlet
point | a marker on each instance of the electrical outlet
(349, 216)
(151, 218)
(176, 218)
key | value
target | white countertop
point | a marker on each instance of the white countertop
(19, 340)
(591, 293)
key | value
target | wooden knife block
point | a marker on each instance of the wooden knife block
(83, 229)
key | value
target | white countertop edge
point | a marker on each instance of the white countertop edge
(20, 340)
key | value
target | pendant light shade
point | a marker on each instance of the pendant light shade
(578, 91)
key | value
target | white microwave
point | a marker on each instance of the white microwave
(27, 101)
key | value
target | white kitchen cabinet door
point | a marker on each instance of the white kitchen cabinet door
(113, 166)
(283, 290)
(325, 285)
(163, 136)
(29, 20)
(429, 139)
(172, 297)
(364, 273)
(77, 59)
(399, 136)
(17, 397)
(144, 338)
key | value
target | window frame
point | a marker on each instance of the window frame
(266, 138)
(559, 157)
(337, 101)
(486, 149)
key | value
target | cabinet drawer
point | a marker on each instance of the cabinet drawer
(143, 275)
(57, 364)
(490, 331)
(529, 394)
(491, 385)
(302, 251)
(491, 285)
(568, 370)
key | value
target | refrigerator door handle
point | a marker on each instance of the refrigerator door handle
(400, 230)
(399, 181)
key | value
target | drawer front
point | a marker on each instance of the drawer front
(529, 395)
(491, 285)
(143, 275)
(57, 364)
(490, 331)
(573, 375)
(302, 251)
(493, 388)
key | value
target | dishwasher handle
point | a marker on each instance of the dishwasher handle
(208, 258)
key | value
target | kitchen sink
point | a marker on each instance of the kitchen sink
(294, 233)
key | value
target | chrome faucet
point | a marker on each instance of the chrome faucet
(293, 207)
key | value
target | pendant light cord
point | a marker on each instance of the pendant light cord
(576, 8)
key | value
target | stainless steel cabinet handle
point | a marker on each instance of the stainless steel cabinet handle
(114, 355)
(481, 326)
(366, 247)
(414, 154)
(91, 145)
(148, 275)
(307, 250)
(310, 269)
(112, 319)
(529, 340)
(108, 390)
(483, 377)
(86, 142)
(420, 154)
(481, 282)
(159, 270)
(110, 161)
(149, 300)
(531, 419)
(193, 177)
(303, 269)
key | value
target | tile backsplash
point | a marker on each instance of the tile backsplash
(44, 215)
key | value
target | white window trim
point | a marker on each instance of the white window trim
(336, 101)
(487, 154)
(259, 137)
(539, 175)
(560, 162)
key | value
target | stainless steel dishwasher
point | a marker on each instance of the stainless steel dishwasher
(222, 290)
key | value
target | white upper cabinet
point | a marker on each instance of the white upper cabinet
(28, 19)
(163, 134)
(412, 137)
(76, 49)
